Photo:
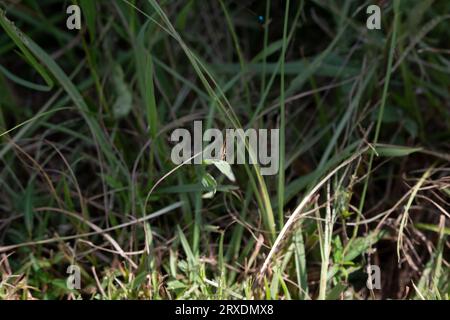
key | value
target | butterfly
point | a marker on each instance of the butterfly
(260, 18)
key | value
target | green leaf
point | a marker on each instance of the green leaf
(208, 181)
(395, 151)
(145, 73)
(70, 88)
(391, 114)
(28, 207)
(186, 246)
(431, 227)
(124, 100)
(23, 82)
(412, 127)
(182, 17)
(360, 245)
(175, 284)
(21, 41)
(223, 167)
(336, 291)
(89, 10)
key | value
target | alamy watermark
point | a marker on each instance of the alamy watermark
(238, 146)
(373, 277)
(74, 279)
(74, 19)
(373, 21)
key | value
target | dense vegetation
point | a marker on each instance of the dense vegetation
(86, 176)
